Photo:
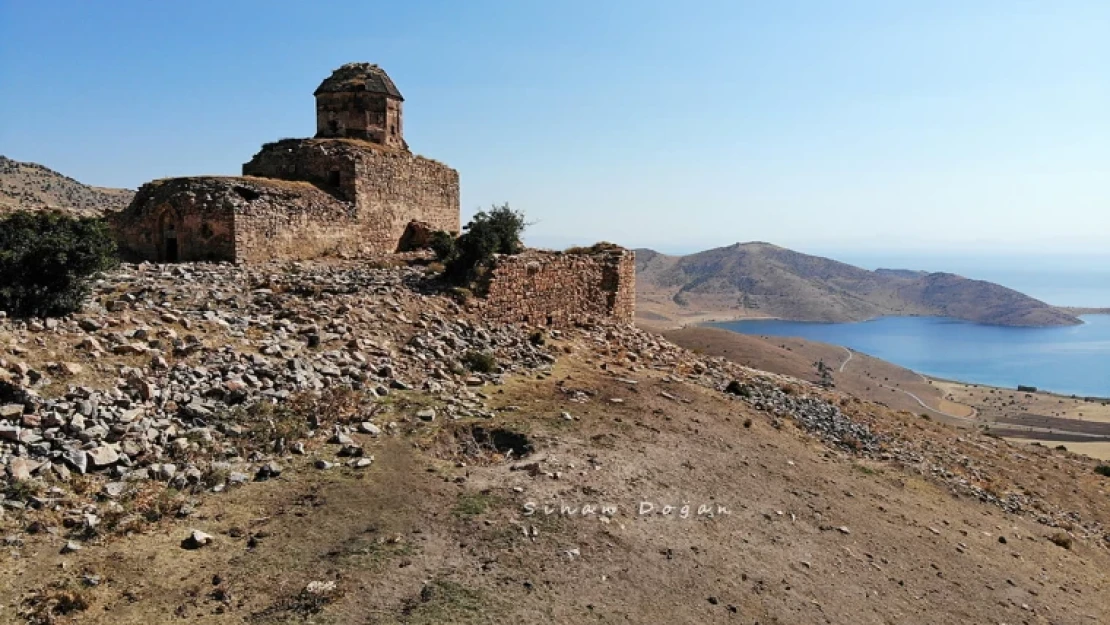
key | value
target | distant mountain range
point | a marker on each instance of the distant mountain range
(763, 280)
(30, 186)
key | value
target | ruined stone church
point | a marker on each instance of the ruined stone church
(353, 189)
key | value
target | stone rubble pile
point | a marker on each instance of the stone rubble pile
(145, 382)
(200, 340)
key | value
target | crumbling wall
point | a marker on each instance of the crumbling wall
(233, 219)
(389, 187)
(330, 165)
(395, 188)
(561, 289)
(295, 221)
(196, 211)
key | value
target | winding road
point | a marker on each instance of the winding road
(848, 360)
(974, 412)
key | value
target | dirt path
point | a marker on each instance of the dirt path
(974, 412)
(847, 360)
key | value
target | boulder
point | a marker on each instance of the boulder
(103, 456)
(196, 539)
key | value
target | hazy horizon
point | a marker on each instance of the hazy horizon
(862, 125)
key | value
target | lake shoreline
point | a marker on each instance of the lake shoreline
(1056, 360)
(1077, 312)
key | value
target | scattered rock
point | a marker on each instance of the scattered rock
(196, 539)
(267, 471)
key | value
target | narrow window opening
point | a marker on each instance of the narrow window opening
(333, 178)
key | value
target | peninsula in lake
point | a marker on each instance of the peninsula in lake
(753, 280)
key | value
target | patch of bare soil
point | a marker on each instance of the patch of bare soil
(608, 476)
(657, 499)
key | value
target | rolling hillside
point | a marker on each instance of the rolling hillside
(764, 280)
(30, 186)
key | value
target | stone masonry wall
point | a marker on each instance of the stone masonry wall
(389, 187)
(561, 289)
(317, 161)
(240, 219)
(369, 116)
(395, 188)
(294, 220)
(193, 208)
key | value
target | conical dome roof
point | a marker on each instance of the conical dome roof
(359, 77)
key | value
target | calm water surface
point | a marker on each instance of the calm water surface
(1071, 360)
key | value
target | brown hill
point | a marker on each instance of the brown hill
(412, 505)
(763, 280)
(30, 186)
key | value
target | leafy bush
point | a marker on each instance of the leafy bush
(46, 260)
(495, 232)
(1103, 469)
(443, 244)
(480, 362)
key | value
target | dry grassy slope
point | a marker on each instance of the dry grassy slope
(421, 539)
(862, 376)
(759, 279)
(30, 186)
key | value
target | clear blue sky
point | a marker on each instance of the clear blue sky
(822, 125)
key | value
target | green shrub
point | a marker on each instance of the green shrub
(480, 362)
(1103, 469)
(443, 244)
(47, 259)
(495, 232)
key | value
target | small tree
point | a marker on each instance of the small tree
(443, 244)
(496, 232)
(47, 259)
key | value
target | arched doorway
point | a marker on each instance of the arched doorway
(167, 238)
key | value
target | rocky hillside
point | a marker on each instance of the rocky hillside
(342, 443)
(30, 186)
(763, 280)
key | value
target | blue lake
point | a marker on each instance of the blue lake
(1070, 360)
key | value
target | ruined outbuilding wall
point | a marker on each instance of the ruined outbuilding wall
(561, 289)
(389, 187)
(197, 211)
(239, 219)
